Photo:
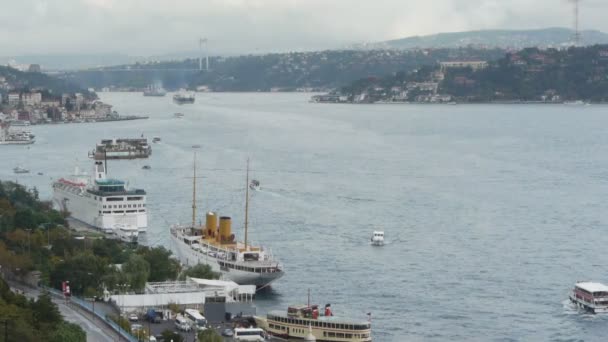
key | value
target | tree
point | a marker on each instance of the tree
(169, 335)
(45, 311)
(202, 271)
(137, 270)
(162, 266)
(68, 332)
(209, 335)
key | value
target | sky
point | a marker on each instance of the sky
(155, 27)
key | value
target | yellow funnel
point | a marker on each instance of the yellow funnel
(225, 229)
(210, 224)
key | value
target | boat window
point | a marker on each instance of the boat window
(113, 199)
(137, 198)
(119, 212)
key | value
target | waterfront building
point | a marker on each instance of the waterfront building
(475, 65)
(31, 99)
(215, 298)
(13, 99)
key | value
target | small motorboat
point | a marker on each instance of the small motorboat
(156, 139)
(146, 167)
(254, 184)
(377, 238)
(20, 169)
(40, 174)
(178, 115)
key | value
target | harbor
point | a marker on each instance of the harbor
(422, 182)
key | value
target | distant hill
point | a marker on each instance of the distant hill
(53, 86)
(319, 70)
(504, 39)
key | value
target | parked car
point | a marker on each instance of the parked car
(227, 332)
(136, 327)
(133, 318)
(152, 316)
(183, 324)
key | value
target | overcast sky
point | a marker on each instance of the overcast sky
(147, 27)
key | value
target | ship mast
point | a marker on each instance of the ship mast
(246, 203)
(194, 193)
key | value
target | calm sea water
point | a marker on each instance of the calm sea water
(491, 212)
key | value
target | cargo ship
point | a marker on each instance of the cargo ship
(215, 245)
(99, 201)
(122, 149)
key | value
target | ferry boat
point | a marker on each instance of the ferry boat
(216, 246)
(592, 297)
(183, 97)
(100, 202)
(19, 169)
(14, 138)
(377, 238)
(301, 321)
(122, 149)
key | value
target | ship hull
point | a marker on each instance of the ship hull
(191, 257)
(84, 207)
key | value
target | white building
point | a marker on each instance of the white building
(193, 293)
(31, 99)
(475, 65)
(13, 99)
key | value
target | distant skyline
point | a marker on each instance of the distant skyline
(157, 27)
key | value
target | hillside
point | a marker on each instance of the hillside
(529, 75)
(505, 39)
(285, 71)
(51, 86)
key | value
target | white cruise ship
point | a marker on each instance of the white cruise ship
(101, 202)
(216, 246)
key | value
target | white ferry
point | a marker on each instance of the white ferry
(101, 202)
(302, 320)
(8, 137)
(122, 149)
(377, 238)
(592, 297)
(183, 97)
(216, 246)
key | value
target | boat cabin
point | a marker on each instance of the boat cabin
(591, 296)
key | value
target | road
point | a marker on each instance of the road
(94, 332)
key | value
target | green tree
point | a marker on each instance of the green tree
(68, 332)
(162, 266)
(45, 311)
(137, 270)
(209, 335)
(202, 271)
(169, 335)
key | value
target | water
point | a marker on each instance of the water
(491, 212)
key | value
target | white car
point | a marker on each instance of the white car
(133, 318)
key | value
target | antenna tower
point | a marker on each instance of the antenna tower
(577, 32)
(200, 58)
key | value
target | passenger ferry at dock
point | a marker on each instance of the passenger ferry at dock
(101, 202)
(592, 297)
(216, 246)
(301, 320)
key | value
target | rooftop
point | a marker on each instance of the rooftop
(592, 287)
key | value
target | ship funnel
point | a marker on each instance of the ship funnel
(210, 225)
(225, 230)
